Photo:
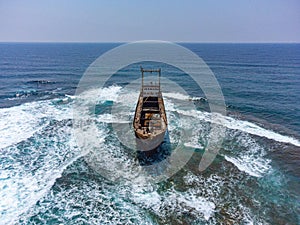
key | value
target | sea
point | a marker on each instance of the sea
(45, 178)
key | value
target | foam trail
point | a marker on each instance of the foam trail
(180, 96)
(254, 129)
(249, 157)
(241, 125)
(232, 123)
(247, 165)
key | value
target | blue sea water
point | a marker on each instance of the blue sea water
(45, 178)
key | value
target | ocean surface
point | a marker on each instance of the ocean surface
(46, 179)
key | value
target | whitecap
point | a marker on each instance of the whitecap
(241, 125)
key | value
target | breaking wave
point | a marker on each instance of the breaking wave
(38, 151)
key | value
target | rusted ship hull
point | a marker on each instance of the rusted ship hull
(149, 144)
(150, 120)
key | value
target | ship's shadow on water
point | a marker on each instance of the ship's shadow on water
(157, 155)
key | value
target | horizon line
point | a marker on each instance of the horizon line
(178, 42)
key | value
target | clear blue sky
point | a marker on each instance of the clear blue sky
(131, 20)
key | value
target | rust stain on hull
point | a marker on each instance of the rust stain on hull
(150, 120)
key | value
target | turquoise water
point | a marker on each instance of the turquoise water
(45, 177)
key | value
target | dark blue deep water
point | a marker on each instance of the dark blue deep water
(45, 178)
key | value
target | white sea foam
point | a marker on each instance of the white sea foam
(226, 121)
(241, 125)
(21, 191)
(248, 156)
(254, 129)
(90, 202)
(127, 98)
(18, 123)
(232, 123)
(208, 187)
(193, 145)
(174, 202)
(249, 218)
(247, 164)
(31, 166)
(169, 105)
(180, 96)
(252, 162)
(109, 118)
(213, 187)
(110, 93)
(200, 204)
(32, 179)
(71, 96)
